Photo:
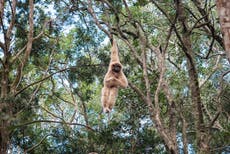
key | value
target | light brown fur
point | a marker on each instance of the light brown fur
(112, 82)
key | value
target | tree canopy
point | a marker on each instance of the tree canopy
(54, 55)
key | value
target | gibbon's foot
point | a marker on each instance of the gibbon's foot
(106, 110)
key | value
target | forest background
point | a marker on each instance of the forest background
(54, 55)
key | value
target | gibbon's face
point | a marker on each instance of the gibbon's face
(116, 68)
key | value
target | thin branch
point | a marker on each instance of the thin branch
(212, 71)
(13, 11)
(221, 82)
(46, 71)
(43, 30)
(221, 149)
(92, 13)
(174, 64)
(128, 11)
(134, 52)
(36, 145)
(162, 11)
(41, 80)
(170, 32)
(34, 39)
(161, 67)
(170, 21)
(138, 91)
(68, 89)
(211, 28)
(47, 77)
(196, 25)
(52, 121)
(84, 108)
(210, 48)
(18, 54)
(62, 99)
(214, 119)
(143, 43)
(52, 114)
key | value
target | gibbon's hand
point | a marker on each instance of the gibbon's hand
(114, 82)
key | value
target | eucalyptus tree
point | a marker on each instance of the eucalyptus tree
(23, 27)
(179, 49)
(52, 71)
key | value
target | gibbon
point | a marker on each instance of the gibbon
(113, 80)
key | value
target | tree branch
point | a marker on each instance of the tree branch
(92, 13)
(13, 11)
(211, 72)
(52, 121)
(34, 39)
(28, 48)
(41, 80)
(36, 145)
(138, 91)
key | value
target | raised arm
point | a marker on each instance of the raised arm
(114, 52)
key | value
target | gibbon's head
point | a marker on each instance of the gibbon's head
(116, 67)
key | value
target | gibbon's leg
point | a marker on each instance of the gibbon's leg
(105, 99)
(112, 97)
(108, 98)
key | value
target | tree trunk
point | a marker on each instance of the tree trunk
(168, 136)
(223, 8)
(5, 113)
(4, 106)
(170, 141)
(8, 87)
(201, 135)
(184, 134)
(4, 136)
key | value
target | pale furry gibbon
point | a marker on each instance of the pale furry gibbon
(113, 80)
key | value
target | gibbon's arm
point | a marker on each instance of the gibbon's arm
(123, 81)
(114, 82)
(114, 52)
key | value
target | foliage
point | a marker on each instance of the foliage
(56, 105)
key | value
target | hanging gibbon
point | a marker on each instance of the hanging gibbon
(113, 80)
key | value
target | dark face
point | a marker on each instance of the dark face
(116, 68)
